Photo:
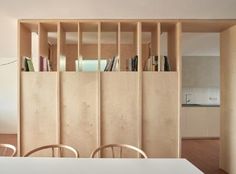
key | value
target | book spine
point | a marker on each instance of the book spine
(40, 63)
(45, 67)
(26, 64)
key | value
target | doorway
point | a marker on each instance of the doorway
(200, 113)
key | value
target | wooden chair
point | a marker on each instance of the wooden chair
(53, 147)
(120, 146)
(7, 150)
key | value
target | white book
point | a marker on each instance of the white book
(79, 64)
(162, 63)
(115, 64)
(48, 65)
(130, 64)
(45, 64)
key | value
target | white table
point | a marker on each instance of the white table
(95, 166)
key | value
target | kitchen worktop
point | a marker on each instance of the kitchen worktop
(199, 105)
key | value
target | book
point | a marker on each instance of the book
(30, 64)
(167, 64)
(151, 64)
(132, 63)
(79, 64)
(112, 64)
(44, 64)
(115, 66)
(48, 65)
(27, 64)
(106, 67)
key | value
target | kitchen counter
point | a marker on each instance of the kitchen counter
(199, 105)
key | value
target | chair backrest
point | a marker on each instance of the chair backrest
(120, 148)
(7, 150)
(60, 147)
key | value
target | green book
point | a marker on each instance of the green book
(30, 64)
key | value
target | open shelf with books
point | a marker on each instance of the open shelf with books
(68, 50)
(88, 49)
(128, 46)
(48, 46)
(110, 48)
(150, 46)
(168, 46)
(28, 50)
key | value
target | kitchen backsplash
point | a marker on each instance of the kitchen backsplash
(205, 96)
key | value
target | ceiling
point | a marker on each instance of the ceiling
(204, 9)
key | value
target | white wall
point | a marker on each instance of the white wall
(11, 10)
(201, 80)
(8, 119)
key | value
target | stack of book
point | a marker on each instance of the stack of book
(27, 64)
(133, 63)
(112, 64)
(165, 64)
(152, 64)
(44, 64)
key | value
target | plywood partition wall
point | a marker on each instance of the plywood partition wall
(228, 100)
(79, 116)
(120, 117)
(160, 114)
(38, 110)
(89, 109)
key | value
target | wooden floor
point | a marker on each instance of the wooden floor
(202, 153)
(8, 139)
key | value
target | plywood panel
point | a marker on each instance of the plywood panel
(160, 114)
(79, 111)
(71, 56)
(119, 108)
(172, 47)
(228, 100)
(38, 110)
(43, 41)
(200, 122)
(25, 41)
(207, 25)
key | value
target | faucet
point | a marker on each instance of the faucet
(187, 100)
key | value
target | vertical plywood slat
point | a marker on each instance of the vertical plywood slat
(99, 114)
(61, 45)
(79, 111)
(79, 39)
(60, 49)
(39, 110)
(179, 71)
(159, 45)
(118, 45)
(140, 94)
(160, 114)
(119, 109)
(228, 100)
